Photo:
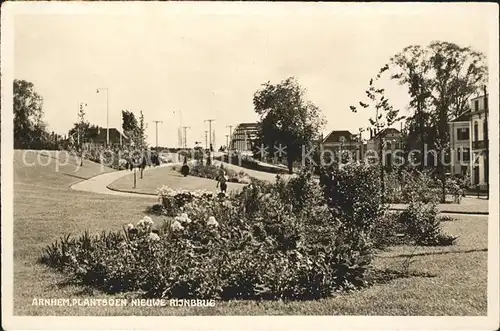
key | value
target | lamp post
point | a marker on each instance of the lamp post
(107, 112)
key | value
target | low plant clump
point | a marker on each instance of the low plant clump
(172, 201)
(421, 223)
(212, 171)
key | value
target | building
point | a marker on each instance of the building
(469, 132)
(98, 136)
(243, 136)
(340, 141)
(391, 140)
(460, 144)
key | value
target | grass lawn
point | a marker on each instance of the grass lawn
(155, 178)
(45, 208)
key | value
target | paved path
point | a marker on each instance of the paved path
(99, 183)
(266, 176)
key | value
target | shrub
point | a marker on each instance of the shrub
(446, 218)
(422, 224)
(420, 187)
(212, 171)
(173, 201)
(389, 232)
(457, 186)
(353, 193)
(257, 244)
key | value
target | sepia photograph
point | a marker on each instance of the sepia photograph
(270, 165)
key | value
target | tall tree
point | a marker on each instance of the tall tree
(441, 77)
(287, 119)
(82, 130)
(384, 116)
(28, 115)
(130, 125)
(141, 130)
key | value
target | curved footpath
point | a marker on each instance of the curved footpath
(99, 184)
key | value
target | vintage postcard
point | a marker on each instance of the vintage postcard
(249, 165)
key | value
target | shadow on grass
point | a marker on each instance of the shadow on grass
(436, 253)
(156, 209)
(78, 177)
(384, 276)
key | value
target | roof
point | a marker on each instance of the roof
(464, 117)
(243, 126)
(479, 97)
(386, 132)
(101, 134)
(336, 135)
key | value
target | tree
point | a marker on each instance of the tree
(28, 115)
(385, 117)
(82, 130)
(141, 131)
(287, 119)
(130, 125)
(441, 79)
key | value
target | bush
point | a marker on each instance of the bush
(422, 225)
(212, 171)
(353, 193)
(389, 232)
(257, 244)
(420, 187)
(457, 186)
(407, 186)
(173, 201)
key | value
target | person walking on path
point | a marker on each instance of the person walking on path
(222, 181)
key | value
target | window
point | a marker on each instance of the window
(476, 105)
(464, 170)
(463, 134)
(476, 131)
(463, 154)
(485, 129)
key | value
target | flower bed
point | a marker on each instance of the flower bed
(285, 240)
(212, 172)
(172, 200)
(257, 244)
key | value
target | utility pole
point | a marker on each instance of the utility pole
(227, 142)
(185, 137)
(210, 130)
(206, 139)
(156, 122)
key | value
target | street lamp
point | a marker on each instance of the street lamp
(107, 112)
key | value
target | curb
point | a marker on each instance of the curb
(451, 212)
(131, 192)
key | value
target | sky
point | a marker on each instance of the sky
(192, 65)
